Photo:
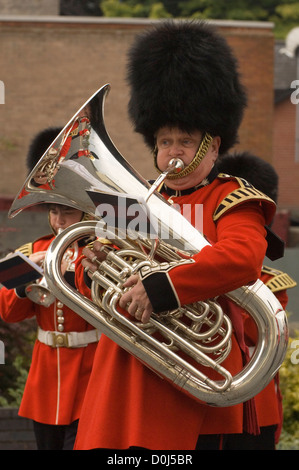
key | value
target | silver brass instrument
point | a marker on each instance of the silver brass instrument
(93, 177)
(39, 292)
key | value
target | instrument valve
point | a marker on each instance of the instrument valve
(124, 273)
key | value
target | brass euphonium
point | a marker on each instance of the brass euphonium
(39, 292)
(94, 177)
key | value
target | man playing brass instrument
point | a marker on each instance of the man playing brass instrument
(187, 102)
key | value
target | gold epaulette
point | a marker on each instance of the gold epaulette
(279, 281)
(90, 245)
(104, 241)
(26, 249)
(74, 132)
(246, 192)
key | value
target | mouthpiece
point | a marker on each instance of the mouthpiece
(175, 165)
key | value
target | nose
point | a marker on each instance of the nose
(175, 150)
(60, 219)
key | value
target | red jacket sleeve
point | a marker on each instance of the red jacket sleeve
(235, 259)
(13, 308)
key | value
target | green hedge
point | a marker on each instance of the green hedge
(18, 340)
(289, 385)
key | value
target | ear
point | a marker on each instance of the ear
(215, 146)
(216, 142)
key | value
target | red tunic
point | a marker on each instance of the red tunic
(269, 401)
(126, 404)
(57, 377)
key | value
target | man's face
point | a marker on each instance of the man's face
(175, 143)
(62, 217)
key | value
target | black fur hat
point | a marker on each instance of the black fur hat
(39, 145)
(184, 74)
(255, 170)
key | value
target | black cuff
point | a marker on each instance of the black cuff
(87, 280)
(69, 276)
(20, 291)
(160, 292)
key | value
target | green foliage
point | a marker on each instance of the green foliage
(283, 13)
(115, 8)
(18, 339)
(158, 11)
(132, 8)
(13, 395)
(289, 385)
(288, 12)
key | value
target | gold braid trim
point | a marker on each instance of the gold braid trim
(280, 280)
(246, 192)
(26, 249)
(104, 241)
(199, 156)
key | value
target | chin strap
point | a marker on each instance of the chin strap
(199, 156)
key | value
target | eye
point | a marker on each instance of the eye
(70, 211)
(163, 143)
(188, 143)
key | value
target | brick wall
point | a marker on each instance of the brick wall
(255, 51)
(29, 7)
(284, 154)
(16, 433)
(50, 66)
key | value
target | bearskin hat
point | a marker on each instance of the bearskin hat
(39, 145)
(184, 74)
(252, 168)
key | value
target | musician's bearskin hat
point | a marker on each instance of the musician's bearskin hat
(252, 168)
(184, 74)
(39, 145)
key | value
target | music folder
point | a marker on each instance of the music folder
(16, 269)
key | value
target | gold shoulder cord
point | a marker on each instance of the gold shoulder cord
(280, 280)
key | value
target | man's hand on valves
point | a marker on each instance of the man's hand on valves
(135, 299)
